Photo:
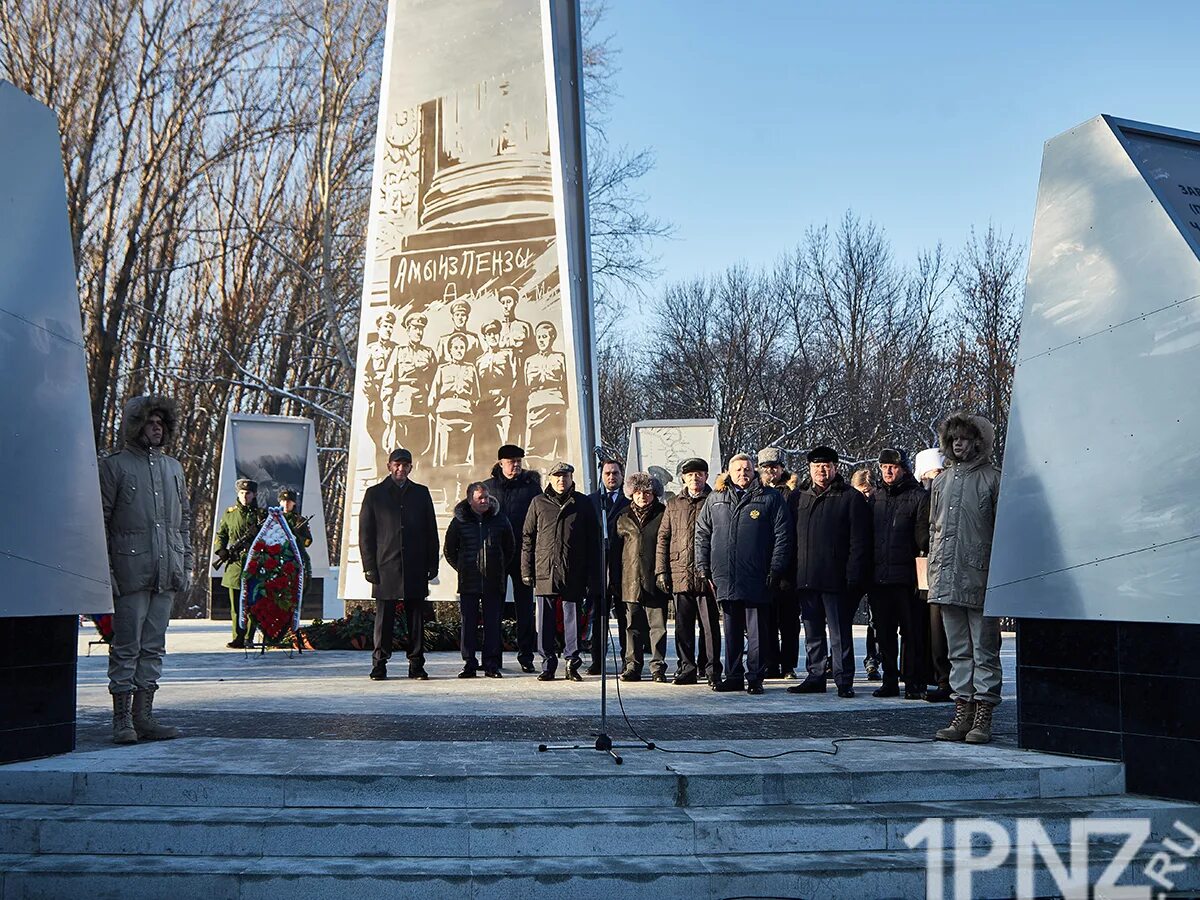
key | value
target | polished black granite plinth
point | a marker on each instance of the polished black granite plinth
(1116, 690)
(37, 686)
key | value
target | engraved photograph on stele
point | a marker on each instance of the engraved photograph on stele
(463, 345)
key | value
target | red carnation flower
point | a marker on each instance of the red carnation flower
(271, 563)
(274, 549)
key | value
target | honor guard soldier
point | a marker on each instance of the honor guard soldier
(235, 532)
(301, 530)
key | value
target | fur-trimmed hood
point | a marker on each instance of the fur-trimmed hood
(961, 420)
(137, 411)
(463, 511)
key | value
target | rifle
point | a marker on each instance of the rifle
(234, 550)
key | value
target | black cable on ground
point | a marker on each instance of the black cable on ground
(835, 742)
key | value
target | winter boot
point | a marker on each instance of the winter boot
(144, 722)
(964, 718)
(982, 732)
(123, 730)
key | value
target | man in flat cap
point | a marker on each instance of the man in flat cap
(460, 312)
(514, 487)
(148, 524)
(398, 541)
(677, 573)
(901, 524)
(238, 526)
(783, 641)
(560, 560)
(407, 387)
(833, 569)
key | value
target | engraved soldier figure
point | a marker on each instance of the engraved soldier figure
(497, 367)
(407, 385)
(546, 382)
(515, 333)
(379, 354)
(460, 312)
(453, 397)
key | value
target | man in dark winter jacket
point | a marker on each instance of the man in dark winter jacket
(675, 569)
(900, 512)
(609, 501)
(645, 603)
(833, 569)
(560, 561)
(480, 546)
(783, 648)
(514, 488)
(148, 523)
(743, 544)
(397, 537)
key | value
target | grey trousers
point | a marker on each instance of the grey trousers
(973, 640)
(547, 631)
(139, 641)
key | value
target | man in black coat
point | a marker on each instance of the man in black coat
(514, 488)
(833, 569)
(609, 501)
(560, 561)
(397, 537)
(901, 526)
(480, 546)
(743, 544)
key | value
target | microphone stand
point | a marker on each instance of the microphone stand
(604, 742)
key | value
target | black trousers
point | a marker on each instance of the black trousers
(746, 627)
(899, 611)
(703, 658)
(526, 620)
(783, 647)
(599, 643)
(835, 609)
(646, 624)
(492, 602)
(937, 661)
(385, 627)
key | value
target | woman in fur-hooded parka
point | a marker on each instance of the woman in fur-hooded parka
(146, 512)
(963, 515)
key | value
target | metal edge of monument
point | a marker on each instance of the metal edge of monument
(277, 452)
(662, 444)
(53, 555)
(472, 334)
(1094, 518)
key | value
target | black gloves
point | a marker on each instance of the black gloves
(774, 580)
(372, 577)
(664, 583)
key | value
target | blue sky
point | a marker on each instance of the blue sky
(926, 117)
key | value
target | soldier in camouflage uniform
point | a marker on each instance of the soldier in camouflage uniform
(240, 520)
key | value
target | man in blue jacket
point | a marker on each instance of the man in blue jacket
(743, 546)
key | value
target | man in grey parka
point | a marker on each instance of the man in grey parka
(962, 519)
(147, 520)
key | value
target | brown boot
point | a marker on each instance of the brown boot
(123, 730)
(964, 718)
(981, 733)
(144, 722)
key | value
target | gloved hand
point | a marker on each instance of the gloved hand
(528, 582)
(664, 583)
(774, 579)
(372, 577)
(432, 575)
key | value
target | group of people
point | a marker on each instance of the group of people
(442, 401)
(758, 552)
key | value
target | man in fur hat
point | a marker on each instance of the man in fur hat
(962, 520)
(514, 488)
(148, 521)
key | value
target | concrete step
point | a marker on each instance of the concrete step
(503, 833)
(874, 874)
(222, 773)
